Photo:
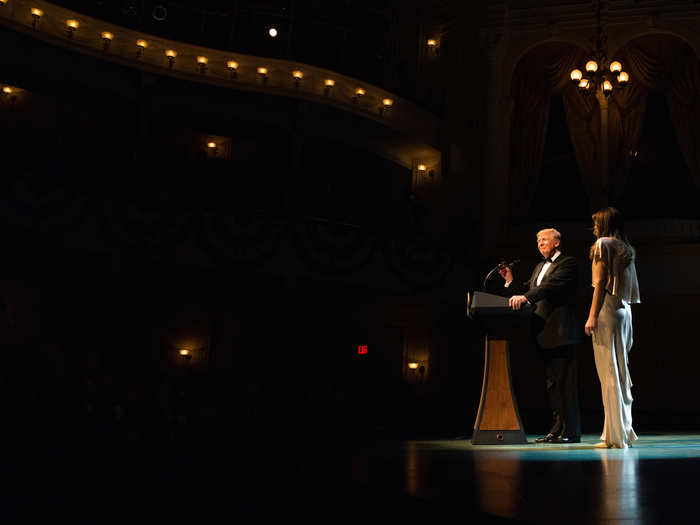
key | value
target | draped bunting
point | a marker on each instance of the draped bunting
(417, 261)
(654, 62)
(333, 248)
(243, 238)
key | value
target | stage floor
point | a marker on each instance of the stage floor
(656, 481)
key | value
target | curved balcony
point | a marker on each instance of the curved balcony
(415, 130)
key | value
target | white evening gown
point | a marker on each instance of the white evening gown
(612, 338)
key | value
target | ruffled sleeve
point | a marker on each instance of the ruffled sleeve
(613, 265)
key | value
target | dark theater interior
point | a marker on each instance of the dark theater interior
(242, 238)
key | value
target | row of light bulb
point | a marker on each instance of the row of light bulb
(107, 37)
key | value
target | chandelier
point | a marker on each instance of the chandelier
(600, 74)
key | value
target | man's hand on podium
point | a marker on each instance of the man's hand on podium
(517, 301)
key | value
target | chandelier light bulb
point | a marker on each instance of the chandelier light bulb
(576, 76)
(607, 87)
(615, 67)
(623, 78)
(591, 66)
(272, 32)
(584, 84)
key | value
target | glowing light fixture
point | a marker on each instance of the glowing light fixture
(171, 54)
(7, 90)
(36, 15)
(422, 168)
(272, 32)
(107, 38)
(413, 366)
(232, 66)
(72, 26)
(298, 75)
(212, 148)
(140, 46)
(359, 93)
(202, 61)
(262, 73)
(623, 78)
(595, 79)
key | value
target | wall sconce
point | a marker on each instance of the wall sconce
(140, 46)
(107, 40)
(212, 148)
(413, 366)
(36, 15)
(7, 91)
(298, 75)
(359, 93)
(421, 168)
(72, 26)
(262, 73)
(232, 66)
(433, 46)
(386, 105)
(185, 353)
(202, 61)
(328, 83)
(171, 54)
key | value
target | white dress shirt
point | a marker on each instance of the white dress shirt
(546, 266)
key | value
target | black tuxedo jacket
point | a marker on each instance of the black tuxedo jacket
(554, 319)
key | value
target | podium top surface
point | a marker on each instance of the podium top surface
(482, 304)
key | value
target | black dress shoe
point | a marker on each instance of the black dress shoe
(546, 439)
(564, 439)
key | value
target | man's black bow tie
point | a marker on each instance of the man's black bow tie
(548, 259)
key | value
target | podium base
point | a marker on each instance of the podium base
(499, 437)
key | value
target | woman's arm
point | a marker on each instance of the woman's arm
(599, 273)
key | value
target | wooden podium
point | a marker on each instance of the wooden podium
(498, 420)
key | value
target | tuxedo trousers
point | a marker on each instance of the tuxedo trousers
(561, 381)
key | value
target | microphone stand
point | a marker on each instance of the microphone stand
(488, 276)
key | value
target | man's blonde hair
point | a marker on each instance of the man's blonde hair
(555, 233)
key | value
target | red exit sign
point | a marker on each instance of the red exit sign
(361, 349)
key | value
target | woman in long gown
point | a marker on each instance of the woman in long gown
(609, 324)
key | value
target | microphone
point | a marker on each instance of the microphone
(504, 264)
(499, 266)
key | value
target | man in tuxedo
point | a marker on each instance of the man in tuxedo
(552, 289)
